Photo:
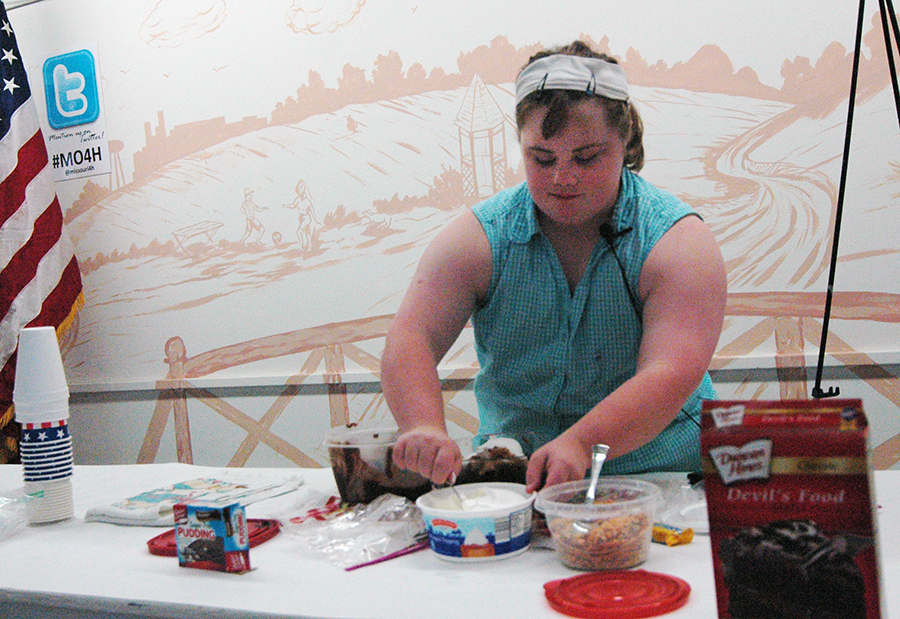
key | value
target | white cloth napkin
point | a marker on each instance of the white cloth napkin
(155, 507)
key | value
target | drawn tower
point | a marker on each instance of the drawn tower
(482, 142)
(118, 173)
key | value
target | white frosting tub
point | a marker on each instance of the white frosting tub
(478, 522)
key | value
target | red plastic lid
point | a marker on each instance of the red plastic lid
(260, 531)
(618, 594)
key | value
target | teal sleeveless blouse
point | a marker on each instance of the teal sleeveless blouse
(547, 356)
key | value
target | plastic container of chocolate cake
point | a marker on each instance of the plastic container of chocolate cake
(362, 462)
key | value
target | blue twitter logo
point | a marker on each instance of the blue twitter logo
(70, 88)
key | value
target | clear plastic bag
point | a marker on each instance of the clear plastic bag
(348, 536)
(12, 515)
(686, 508)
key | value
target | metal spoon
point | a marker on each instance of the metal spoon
(455, 497)
(598, 457)
(452, 482)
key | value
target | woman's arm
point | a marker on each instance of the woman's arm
(683, 287)
(453, 274)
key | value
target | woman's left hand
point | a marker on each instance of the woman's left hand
(562, 459)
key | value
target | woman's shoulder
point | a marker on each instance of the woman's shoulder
(508, 216)
(502, 202)
(646, 192)
(650, 206)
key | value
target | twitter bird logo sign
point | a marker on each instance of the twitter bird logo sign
(70, 88)
(77, 143)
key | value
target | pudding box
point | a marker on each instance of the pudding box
(212, 537)
(791, 513)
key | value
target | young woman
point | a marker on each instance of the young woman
(597, 299)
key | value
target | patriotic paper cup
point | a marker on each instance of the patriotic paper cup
(46, 451)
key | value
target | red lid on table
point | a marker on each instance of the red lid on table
(617, 594)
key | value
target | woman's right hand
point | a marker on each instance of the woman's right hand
(562, 459)
(430, 452)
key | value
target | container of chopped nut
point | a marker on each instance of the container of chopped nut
(613, 532)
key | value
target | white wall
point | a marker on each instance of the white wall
(196, 91)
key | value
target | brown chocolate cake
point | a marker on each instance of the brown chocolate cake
(494, 464)
(790, 569)
(361, 481)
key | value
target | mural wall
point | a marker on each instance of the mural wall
(278, 168)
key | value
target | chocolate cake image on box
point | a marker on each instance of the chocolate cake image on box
(790, 569)
(203, 550)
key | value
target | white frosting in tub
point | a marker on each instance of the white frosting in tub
(478, 498)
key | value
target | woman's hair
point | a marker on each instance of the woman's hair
(622, 116)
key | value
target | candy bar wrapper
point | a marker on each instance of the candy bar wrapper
(212, 537)
(791, 511)
(671, 536)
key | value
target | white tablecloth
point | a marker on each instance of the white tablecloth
(103, 570)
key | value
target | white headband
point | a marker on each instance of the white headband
(567, 72)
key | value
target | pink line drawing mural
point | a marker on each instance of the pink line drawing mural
(349, 178)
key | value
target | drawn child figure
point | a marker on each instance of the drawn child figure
(376, 224)
(306, 214)
(249, 208)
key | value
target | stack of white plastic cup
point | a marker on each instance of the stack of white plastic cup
(41, 400)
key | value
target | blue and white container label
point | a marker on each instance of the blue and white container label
(480, 538)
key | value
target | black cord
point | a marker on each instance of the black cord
(610, 236)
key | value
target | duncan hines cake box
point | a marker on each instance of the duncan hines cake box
(212, 537)
(790, 509)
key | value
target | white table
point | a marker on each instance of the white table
(79, 569)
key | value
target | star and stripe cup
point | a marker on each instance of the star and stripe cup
(41, 400)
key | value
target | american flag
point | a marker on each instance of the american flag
(40, 284)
